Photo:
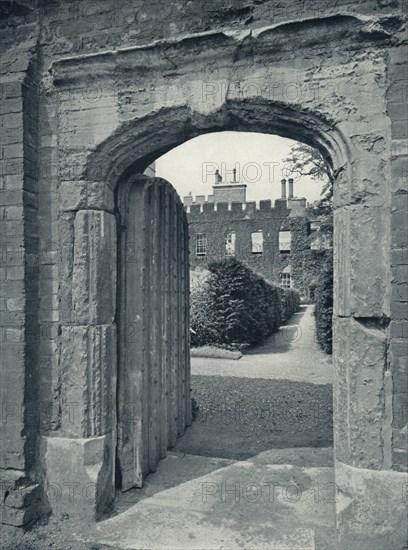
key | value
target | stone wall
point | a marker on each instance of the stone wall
(155, 75)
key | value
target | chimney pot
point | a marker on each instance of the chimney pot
(290, 188)
(283, 189)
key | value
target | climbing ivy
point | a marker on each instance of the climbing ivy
(324, 304)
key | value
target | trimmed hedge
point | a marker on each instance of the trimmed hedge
(323, 294)
(236, 306)
(290, 302)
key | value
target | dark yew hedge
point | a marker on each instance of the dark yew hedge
(323, 294)
(290, 302)
(235, 306)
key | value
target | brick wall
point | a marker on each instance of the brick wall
(397, 96)
(19, 275)
(216, 224)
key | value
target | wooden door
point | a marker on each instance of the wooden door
(154, 402)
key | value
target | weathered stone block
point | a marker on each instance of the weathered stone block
(370, 498)
(94, 268)
(362, 274)
(88, 365)
(361, 395)
(79, 195)
(23, 497)
(18, 517)
(12, 452)
(79, 474)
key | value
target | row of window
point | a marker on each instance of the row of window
(256, 243)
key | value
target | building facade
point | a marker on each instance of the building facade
(262, 237)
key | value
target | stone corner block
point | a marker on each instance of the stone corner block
(371, 508)
(79, 475)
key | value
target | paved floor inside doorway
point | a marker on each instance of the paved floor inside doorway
(254, 471)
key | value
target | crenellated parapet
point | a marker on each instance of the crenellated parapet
(205, 210)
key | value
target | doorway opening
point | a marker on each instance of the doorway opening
(269, 394)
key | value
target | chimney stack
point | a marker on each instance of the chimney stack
(283, 189)
(290, 188)
(218, 178)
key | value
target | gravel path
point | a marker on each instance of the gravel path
(275, 397)
(290, 354)
(241, 417)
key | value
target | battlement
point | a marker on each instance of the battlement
(196, 211)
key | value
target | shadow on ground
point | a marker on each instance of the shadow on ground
(282, 340)
(241, 417)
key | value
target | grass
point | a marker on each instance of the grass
(215, 353)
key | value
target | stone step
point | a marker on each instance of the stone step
(211, 503)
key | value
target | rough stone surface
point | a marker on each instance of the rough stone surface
(361, 274)
(85, 195)
(94, 268)
(88, 365)
(363, 433)
(23, 505)
(361, 495)
(79, 474)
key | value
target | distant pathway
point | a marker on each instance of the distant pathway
(277, 396)
(290, 354)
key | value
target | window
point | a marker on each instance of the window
(320, 241)
(230, 244)
(257, 242)
(285, 280)
(201, 244)
(315, 243)
(284, 242)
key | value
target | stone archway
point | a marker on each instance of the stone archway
(90, 216)
(122, 136)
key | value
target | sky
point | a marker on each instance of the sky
(257, 158)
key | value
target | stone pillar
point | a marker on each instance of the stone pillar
(79, 465)
(371, 497)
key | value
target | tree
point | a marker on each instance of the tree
(304, 160)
